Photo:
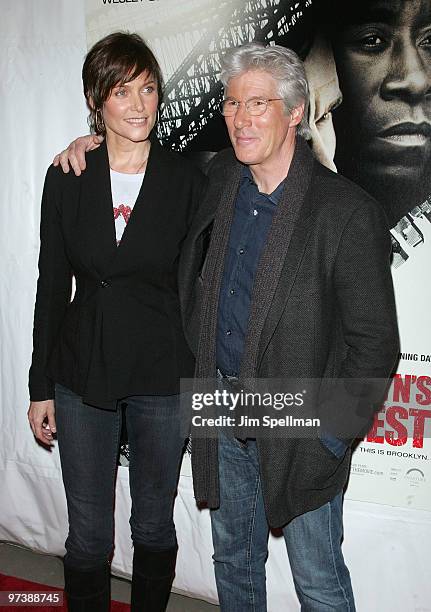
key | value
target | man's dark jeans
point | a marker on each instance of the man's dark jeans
(240, 538)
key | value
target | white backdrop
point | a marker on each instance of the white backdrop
(42, 46)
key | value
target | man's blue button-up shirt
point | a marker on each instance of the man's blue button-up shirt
(252, 220)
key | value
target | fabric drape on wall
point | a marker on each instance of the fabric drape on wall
(41, 51)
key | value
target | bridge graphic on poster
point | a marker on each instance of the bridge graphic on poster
(193, 92)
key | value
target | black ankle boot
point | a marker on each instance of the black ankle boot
(87, 590)
(153, 575)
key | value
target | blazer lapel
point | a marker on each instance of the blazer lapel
(98, 209)
(149, 195)
(283, 252)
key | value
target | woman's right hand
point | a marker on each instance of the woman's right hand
(41, 416)
(75, 153)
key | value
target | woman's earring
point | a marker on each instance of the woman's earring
(99, 123)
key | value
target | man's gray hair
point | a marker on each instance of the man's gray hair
(282, 64)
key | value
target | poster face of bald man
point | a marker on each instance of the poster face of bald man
(383, 59)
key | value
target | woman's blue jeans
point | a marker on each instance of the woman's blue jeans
(240, 536)
(88, 440)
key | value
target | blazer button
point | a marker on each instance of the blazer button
(105, 283)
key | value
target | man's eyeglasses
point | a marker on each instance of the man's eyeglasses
(254, 106)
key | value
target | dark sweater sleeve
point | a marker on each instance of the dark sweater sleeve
(54, 288)
(365, 295)
(366, 306)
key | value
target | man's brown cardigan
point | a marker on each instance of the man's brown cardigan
(322, 306)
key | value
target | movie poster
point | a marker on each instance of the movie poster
(372, 64)
(369, 69)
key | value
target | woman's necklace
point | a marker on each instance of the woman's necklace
(137, 171)
(142, 166)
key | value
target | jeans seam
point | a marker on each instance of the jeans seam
(249, 544)
(74, 550)
(154, 530)
(333, 556)
(116, 446)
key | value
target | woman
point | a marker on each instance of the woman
(119, 345)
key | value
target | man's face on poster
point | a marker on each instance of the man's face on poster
(383, 59)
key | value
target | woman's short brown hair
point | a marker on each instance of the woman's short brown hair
(114, 60)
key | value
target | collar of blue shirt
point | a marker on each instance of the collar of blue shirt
(274, 197)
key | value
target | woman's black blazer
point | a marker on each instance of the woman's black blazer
(122, 333)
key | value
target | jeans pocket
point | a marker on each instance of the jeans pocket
(61, 390)
(241, 443)
(334, 445)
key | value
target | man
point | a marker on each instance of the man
(379, 53)
(295, 284)
(382, 51)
